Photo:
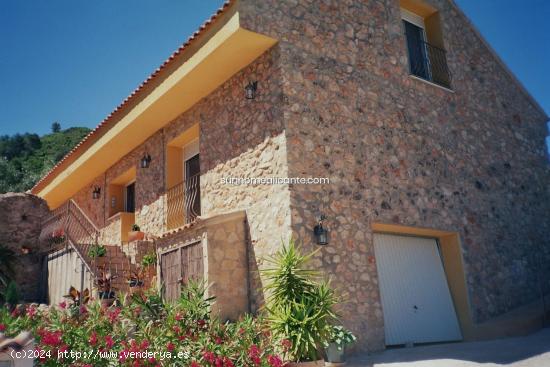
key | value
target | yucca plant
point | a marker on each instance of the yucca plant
(299, 305)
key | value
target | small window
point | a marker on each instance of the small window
(130, 198)
(427, 57)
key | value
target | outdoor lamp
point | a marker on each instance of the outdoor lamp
(320, 232)
(250, 90)
(145, 161)
(96, 193)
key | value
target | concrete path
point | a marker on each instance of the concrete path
(527, 351)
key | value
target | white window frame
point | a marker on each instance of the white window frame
(190, 150)
(413, 18)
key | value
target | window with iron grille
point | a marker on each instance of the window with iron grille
(427, 60)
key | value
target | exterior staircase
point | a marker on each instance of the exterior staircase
(69, 227)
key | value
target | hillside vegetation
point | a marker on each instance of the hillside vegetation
(24, 158)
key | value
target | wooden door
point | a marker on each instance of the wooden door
(180, 265)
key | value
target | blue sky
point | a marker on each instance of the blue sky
(73, 61)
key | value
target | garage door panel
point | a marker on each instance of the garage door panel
(416, 301)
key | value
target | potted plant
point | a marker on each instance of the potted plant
(148, 262)
(58, 236)
(335, 349)
(106, 292)
(136, 278)
(299, 306)
(97, 251)
(135, 234)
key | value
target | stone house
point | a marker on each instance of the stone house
(437, 209)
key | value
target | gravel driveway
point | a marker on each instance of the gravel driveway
(528, 351)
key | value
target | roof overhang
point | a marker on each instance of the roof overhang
(229, 49)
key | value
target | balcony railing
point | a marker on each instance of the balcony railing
(429, 62)
(183, 202)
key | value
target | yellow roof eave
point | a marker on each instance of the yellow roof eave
(229, 50)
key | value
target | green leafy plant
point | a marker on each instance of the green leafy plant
(136, 278)
(97, 251)
(104, 285)
(299, 304)
(341, 336)
(144, 323)
(193, 299)
(7, 259)
(135, 228)
(149, 259)
(11, 295)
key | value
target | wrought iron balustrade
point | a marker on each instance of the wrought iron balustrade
(429, 62)
(183, 202)
(68, 225)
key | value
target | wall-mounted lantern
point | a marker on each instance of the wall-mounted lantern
(96, 193)
(250, 90)
(320, 232)
(145, 161)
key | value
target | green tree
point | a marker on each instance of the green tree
(56, 127)
(25, 158)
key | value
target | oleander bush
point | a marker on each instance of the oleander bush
(183, 333)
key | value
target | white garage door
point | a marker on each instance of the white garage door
(416, 301)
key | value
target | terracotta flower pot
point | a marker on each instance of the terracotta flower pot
(135, 236)
(319, 363)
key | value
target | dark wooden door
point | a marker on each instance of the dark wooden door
(192, 262)
(170, 268)
(180, 265)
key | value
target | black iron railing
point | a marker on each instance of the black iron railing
(429, 62)
(183, 202)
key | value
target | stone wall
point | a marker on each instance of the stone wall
(245, 139)
(399, 150)
(224, 241)
(335, 100)
(20, 224)
(238, 138)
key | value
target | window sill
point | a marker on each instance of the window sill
(431, 83)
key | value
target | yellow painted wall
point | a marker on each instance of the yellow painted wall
(174, 166)
(174, 155)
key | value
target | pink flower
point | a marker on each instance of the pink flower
(63, 305)
(178, 317)
(170, 347)
(51, 337)
(83, 310)
(287, 344)
(195, 364)
(31, 311)
(93, 339)
(2, 328)
(113, 315)
(109, 342)
(254, 354)
(209, 357)
(274, 361)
